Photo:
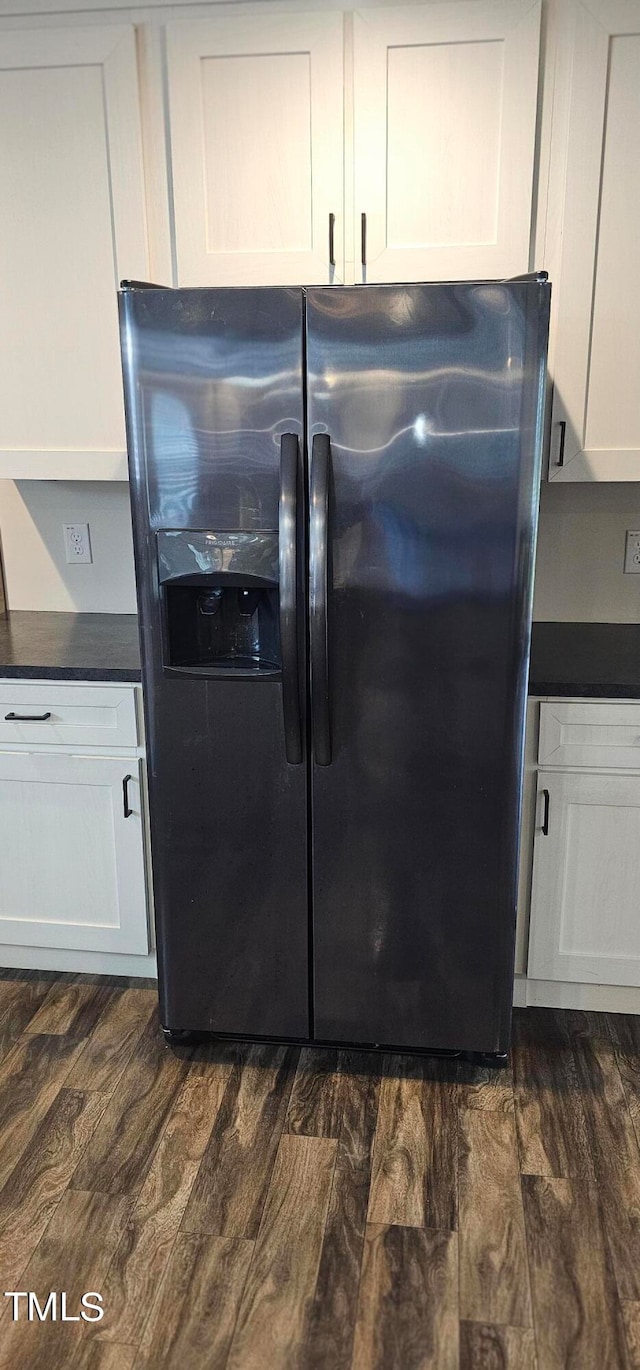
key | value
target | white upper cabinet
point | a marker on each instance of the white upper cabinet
(73, 222)
(444, 123)
(257, 148)
(595, 198)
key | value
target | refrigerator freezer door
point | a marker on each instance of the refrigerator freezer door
(214, 391)
(431, 400)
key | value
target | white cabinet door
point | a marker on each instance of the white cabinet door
(444, 117)
(71, 863)
(596, 404)
(585, 906)
(73, 223)
(256, 130)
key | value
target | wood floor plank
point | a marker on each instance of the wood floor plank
(494, 1278)
(484, 1088)
(30, 1077)
(194, 1316)
(143, 1252)
(483, 1346)
(111, 1044)
(119, 1153)
(331, 1317)
(104, 1355)
(408, 1306)
(315, 1103)
(72, 1255)
(36, 1185)
(284, 1266)
(284, 1164)
(415, 1148)
(72, 1008)
(550, 1117)
(625, 1033)
(229, 1192)
(613, 1143)
(19, 1001)
(631, 1323)
(576, 1312)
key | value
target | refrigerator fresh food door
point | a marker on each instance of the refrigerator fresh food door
(214, 392)
(425, 428)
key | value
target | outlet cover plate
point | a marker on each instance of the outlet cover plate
(632, 553)
(77, 543)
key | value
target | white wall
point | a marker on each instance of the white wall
(581, 553)
(32, 514)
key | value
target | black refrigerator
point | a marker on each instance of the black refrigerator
(335, 495)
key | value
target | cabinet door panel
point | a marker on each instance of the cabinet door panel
(256, 132)
(597, 349)
(71, 864)
(74, 223)
(585, 910)
(444, 117)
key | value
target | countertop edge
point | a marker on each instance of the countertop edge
(568, 660)
(114, 675)
(566, 690)
(79, 673)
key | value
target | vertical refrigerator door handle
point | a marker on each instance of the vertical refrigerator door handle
(318, 594)
(288, 573)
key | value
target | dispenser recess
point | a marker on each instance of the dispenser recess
(220, 599)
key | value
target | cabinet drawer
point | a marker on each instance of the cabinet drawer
(594, 734)
(72, 715)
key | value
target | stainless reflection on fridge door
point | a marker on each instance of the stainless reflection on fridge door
(425, 405)
(214, 392)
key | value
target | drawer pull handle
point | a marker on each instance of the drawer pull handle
(27, 718)
(545, 814)
(332, 251)
(563, 433)
(125, 797)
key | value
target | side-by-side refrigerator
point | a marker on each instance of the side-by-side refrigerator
(334, 497)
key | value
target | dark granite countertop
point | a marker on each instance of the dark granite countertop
(50, 646)
(593, 660)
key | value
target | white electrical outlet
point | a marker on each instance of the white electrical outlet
(632, 552)
(77, 542)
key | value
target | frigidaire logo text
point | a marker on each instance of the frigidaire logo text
(53, 1307)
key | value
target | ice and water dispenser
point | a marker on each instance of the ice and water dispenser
(220, 593)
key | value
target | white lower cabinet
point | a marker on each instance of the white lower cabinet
(585, 901)
(72, 855)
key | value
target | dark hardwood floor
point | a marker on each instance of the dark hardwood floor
(264, 1208)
